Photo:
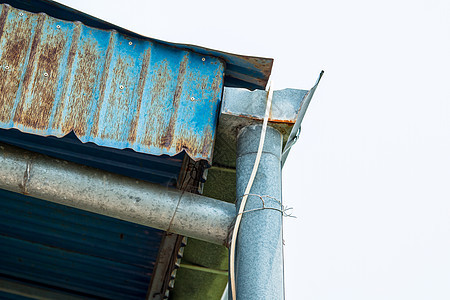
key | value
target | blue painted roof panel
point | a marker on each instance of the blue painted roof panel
(108, 88)
(241, 71)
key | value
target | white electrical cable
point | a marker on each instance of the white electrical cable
(247, 191)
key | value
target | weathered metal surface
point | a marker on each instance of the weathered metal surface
(73, 252)
(108, 88)
(241, 107)
(241, 71)
(161, 169)
(286, 104)
(259, 250)
(114, 195)
(295, 132)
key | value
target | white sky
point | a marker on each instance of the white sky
(368, 179)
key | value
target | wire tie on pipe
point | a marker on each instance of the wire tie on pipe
(283, 210)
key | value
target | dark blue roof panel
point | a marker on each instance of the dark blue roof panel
(162, 169)
(72, 250)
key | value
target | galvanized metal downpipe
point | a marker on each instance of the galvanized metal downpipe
(259, 260)
(114, 195)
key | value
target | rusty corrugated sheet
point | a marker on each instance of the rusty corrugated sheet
(241, 71)
(106, 87)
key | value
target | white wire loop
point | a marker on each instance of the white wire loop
(284, 210)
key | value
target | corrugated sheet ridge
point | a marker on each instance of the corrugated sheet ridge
(115, 262)
(44, 105)
(239, 67)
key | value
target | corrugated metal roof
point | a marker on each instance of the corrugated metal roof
(74, 251)
(108, 88)
(241, 71)
(163, 169)
(8, 296)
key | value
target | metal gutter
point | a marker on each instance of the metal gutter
(241, 108)
(113, 195)
(295, 132)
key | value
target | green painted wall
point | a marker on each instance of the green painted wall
(200, 285)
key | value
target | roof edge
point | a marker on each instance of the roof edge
(242, 71)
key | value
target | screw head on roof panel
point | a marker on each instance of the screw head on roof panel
(121, 87)
(58, 26)
(20, 14)
(130, 43)
(203, 59)
(45, 74)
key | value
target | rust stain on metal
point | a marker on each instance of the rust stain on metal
(217, 84)
(84, 82)
(67, 74)
(185, 141)
(204, 84)
(140, 91)
(261, 63)
(167, 137)
(15, 45)
(70, 59)
(207, 141)
(45, 58)
(64, 76)
(117, 97)
(108, 59)
(156, 122)
(264, 67)
(3, 16)
(29, 72)
(270, 119)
